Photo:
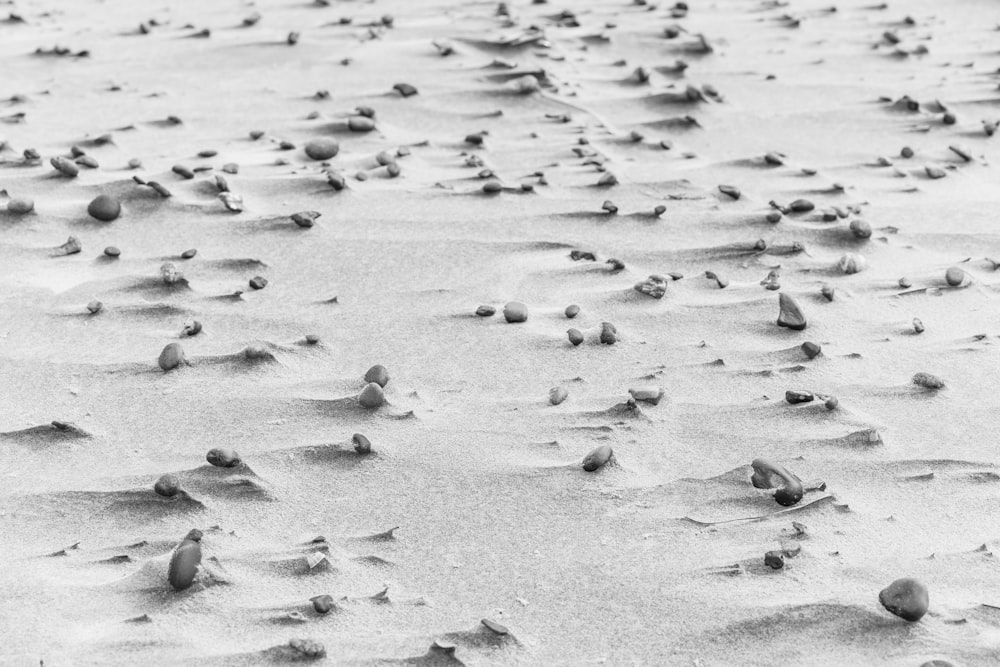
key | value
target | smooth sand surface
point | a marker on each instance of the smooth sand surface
(658, 557)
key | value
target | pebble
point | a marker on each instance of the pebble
(827, 292)
(256, 352)
(768, 475)
(167, 486)
(95, 307)
(774, 560)
(322, 149)
(71, 247)
(515, 311)
(730, 190)
(231, 168)
(104, 208)
(575, 336)
(961, 152)
(405, 89)
(918, 326)
(336, 181)
(928, 381)
(171, 357)
(610, 207)
(861, 229)
(794, 396)
(597, 458)
(169, 274)
(771, 281)
(494, 627)
(655, 286)
(719, 280)
(801, 206)
(774, 159)
(371, 396)
(307, 648)
(659, 210)
(360, 124)
(377, 374)
(362, 445)
(312, 339)
(572, 311)
(811, 349)
(486, 311)
(789, 313)
(609, 334)
(906, 598)
(322, 604)
(557, 395)
(492, 186)
(65, 167)
(20, 206)
(852, 263)
(305, 219)
(935, 172)
(773, 217)
(191, 329)
(185, 560)
(907, 152)
(159, 189)
(905, 283)
(649, 394)
(223, 458)
(112, 251)
(258, 282)
(831, 403)
(182, 171)
(232, 202)
(954, 276)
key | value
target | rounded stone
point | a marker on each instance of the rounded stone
(171, 357)
(167, 486)
(515, 312)
(906, 598)
(322, 149)
(221, 457)
(104, 208)
(377, 374)
(20, 206)
(371, 396)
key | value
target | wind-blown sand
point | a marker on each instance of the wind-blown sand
(657, 557)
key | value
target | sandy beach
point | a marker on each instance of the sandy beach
(290, 192)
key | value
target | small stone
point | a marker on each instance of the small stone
(949, 118)
(774, 560)
(828, 292)
(167, 486)
(112, 251)
(20, 206)
(610, 207)
(360, 124)
(906, 598)
(312, 339)
(377, 374)
(159, 189)
(918, 326)
(231, 168)
(494, 627)
(961, 152)
(95, 307)
(861, 229)
(223, 458)
(256, 134)
(935, 172)
(64, 166)
(104, 208)
(730, 191)
(801, 206)
(649, 394)
(557, 395)
(773, 217)
(71, 247)
(232, 202)
(905, 283)
(258, 282)
(659, 210)
(954, 276)
(719, 280)
(192, 328)
(305, 219)
(571, 311)
(292, 39)
(852, 263)
(794, 396)
(831, 403)
(575, 336)
(654, 286)
(607, 180)
(169, 274)
(486, 311)
(906, 152)
(928, 381)
(789, 313)
(609, 334)
(336, 181)
(256, 352)
(515, 311)
(492, 187)
(171, 357)
(184, 561)
(307, 648)
(405, 89)
(322, 149)
(774, 159)
(182, 171)
(362, 445)
(322, 604)
(371, 396)
(811, 349)
(189, 253)
(597, 458)
(769, 475)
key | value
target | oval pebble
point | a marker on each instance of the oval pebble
(861, 229)
(371, 396)
(104, 208)
(730, 191)
(811, 349)
(557, 395)
(322, 149)
(65, 167)
(954, 276)
(575, 336)
(377, 374)
(906, 598)
(795, 396)
(851, 263)
(651, 394)
(182, 171)
(928, 381)
(515, 312)
(258, 282)
(774, 560)
(221, 457)
(20, 206)
(305, 219)
(362, 445)
(571, 311)
(322, 604)
(171, 357)
(654, 286)
(493, 626)
(360, 124)
(609, 334)
(95, 307)
(112, 251)
(167, 486)
(184, 561)
(492, 187)
(189, 254)
(801, 206)
(597, 458)
(486, 311)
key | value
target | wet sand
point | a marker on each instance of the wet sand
(478, 187)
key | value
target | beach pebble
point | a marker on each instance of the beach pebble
(918, 326)
(377, 374)
(811, 349)
(492, 187)
(95, 307)
(322, 149)
(405, 89)
(189, 253)
(171, 357)
(305, 219)
(515, 311)
(935, 172)
(861, 229)
(794, 396)
(789, 313)
(360, 124)
(20, 206)
(306, 648)
(649, 394)
(801, 206)
(575, 336)
(852, 263)
(371, 396)
(610, 207)
(71, 247)
(169, 274)
(906, 152)
(167, 486)
(65, 167)
(906, 598)
(654, 286)
(557, 395)
(827, 292)
(571, 311)
(182, 171)
(954, 276)
(258, 282)
(184, 561)
(773, 158)
(336, 181)
(312, 339)
(486, 311)
(659, 210)
(322, 604)
(221, 457)
(774, 560)
(112, 251)
(362, 445)
(104, 208)
(928, 381)
(494, 627)
(233, 202)
(597, 458)
(730, 190)
(192, 328)
(769, 475)
(831, 403)
(609, 334)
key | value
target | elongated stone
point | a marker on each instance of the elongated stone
(185, 560)
(171, 356)
(597, 458)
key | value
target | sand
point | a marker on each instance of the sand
(655, 558)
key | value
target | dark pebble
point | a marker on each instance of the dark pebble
(258, 282)
(182, 171)
(189, 253)
(572, 311)
(305, 219)
(794, 396)
(730, 190)
(789, 313)
(609, 334)
(377, 374)
(515, 312)
(104, 208)
(371, 396)
(223, 458)
(171, 356)
(184, 561)
(906, 598)
(65, 167)
(575, 336)
(167, 486)
(801, 206)
(322, 604)
(486, 311)
(861, 229)
(360, 124)
(322, 149)
(597, 458)
(405, 89)
(811, 349)
(774, 560)
(362, 445)
(112, 251)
